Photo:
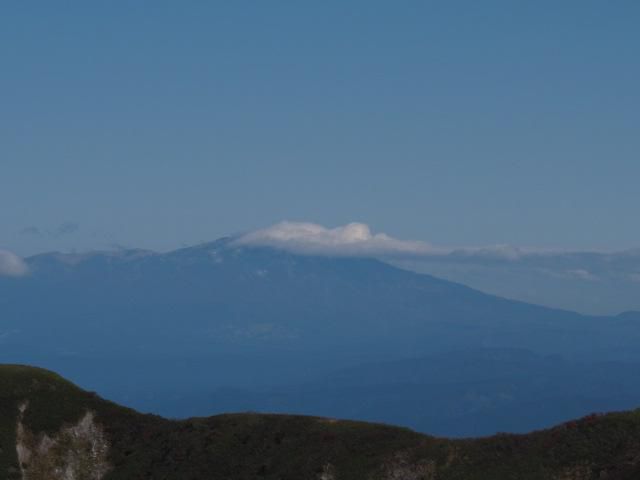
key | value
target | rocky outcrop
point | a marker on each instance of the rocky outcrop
(401, 467)
(76, 452)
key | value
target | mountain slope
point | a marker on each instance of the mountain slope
(225, 298)
(89, 438)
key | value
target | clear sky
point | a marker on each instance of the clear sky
(156, 124)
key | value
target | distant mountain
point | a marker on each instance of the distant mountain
(218, 297)
(632, 317)
(149, 329)
(52, 430)
(587, 282)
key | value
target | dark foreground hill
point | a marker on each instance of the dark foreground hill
(50, 429)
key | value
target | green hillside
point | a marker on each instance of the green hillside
(51, 429)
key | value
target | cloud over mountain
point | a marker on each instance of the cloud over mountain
(12, 265)
(587, 281)
(358, 240)
(351, 239)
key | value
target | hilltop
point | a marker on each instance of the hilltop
(50, 429)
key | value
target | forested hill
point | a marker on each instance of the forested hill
(51, 429)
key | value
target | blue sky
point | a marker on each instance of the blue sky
(158, 124)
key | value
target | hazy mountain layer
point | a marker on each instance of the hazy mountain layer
(469, 393)
(158, 330)
(219, 298)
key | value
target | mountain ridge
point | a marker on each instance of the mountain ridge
(210, 250)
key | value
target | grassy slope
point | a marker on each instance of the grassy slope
(243, 446)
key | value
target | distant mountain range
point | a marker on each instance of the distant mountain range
(52, 430)
(588, 282)
(159, 330)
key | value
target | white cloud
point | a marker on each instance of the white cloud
(356, 239)
(491, 252)
(12, 265)
(351, 239)
(582, 274)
